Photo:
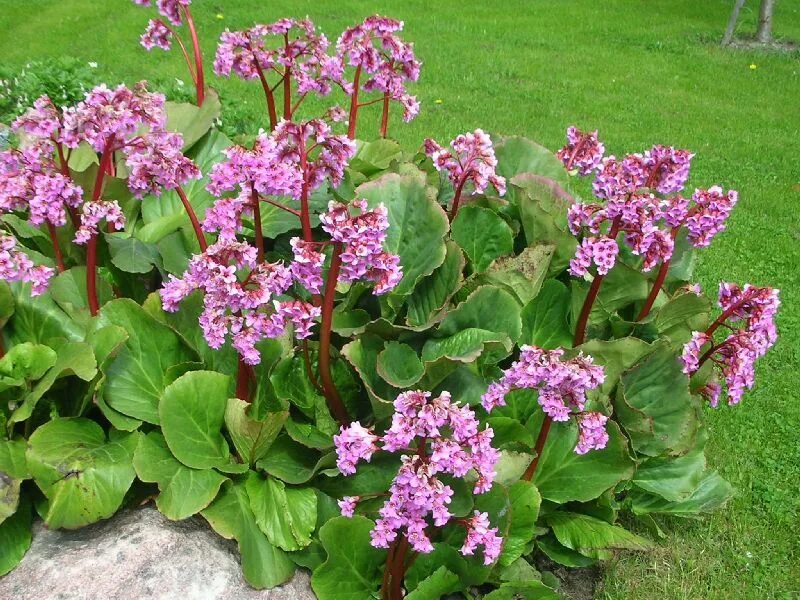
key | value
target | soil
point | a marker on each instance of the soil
(576, 584)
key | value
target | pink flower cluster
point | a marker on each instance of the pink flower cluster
(95, 211)
(384, 61)
(43, 120)
(754, 308)
(637, 216)
(171, 9)
(704, 216)
(157, 35)
(248, 309)
(156, 163)
(562, 387)
(649, 223)
(435, 437)
(106, 118)
(472, 160)
(300, 54)
(30, 181)
(583, 151)
(15, 265)
(363, 236)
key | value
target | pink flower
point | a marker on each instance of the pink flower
(156, 163)
(363, 236)
(307, 265)
(354, 443)
(592, 432)
(704, 217)
(92, 213)
(157, 35)
(583, 151)
(348, 505)
(42, 121)
(15, 265)
(434, 437)
(473, 160)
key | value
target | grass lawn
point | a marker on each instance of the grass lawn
(642, 72)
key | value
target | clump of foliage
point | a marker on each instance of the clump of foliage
(407, 371)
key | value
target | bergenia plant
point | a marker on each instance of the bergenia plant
(267, 330)
(160, 33)
(434, 437)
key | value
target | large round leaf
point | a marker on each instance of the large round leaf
(83, 476)
(564, 476)
(483, 234)
(184, 491)
(417, 224)
(432, 293)
(192, 412)
(286, 515)
(136, 378)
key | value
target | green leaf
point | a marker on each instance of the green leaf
(13, 470)
(287, 516)
(68, 290)
(486, 308)
(543, 208)
(516, 154)
(417, 224)
(483, 234)
(525, 500)
(544, 319)
(400, 365)
(6, 303)
(521, 275)
(615, 356)
(561, 554)
(230, 515)
(655, 407)
(588, 535)
(136, 378)
(363, 353)
(375, 156)
(23, 363)
(564, 476)
(252, 438)
(291, 383)
(711, 494)
(682, 315)
(293, 463)
(432, 293)
(191, 121)
(353, 568)
(436, 585)
(192, 412)
(184, 491)
(83, 475)
(15, 538)
(131, 255)
(72, 358)
(673, 478)
(39, 320)
(464, 346)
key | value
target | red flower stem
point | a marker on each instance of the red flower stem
(56, 248)
(198, 231)
(398, 569)
(573, 156)
(242, 381)
(305, 216)
(297, 104)
(540, 441)
(186, 57)
(2, 345)
(257, 225)
(296, 213)
(328, 386)
(370, 102)
(309, 369)
(287, 84)
(658, 283)
(387, 571)
(200, 81)
(352, 118)
(63, 165)
(273, 115)
(457, 197)
(91, 247)
(385, 116)
(594, 289)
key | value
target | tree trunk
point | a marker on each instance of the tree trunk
(764, 33)
(737, 8)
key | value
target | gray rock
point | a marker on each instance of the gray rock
(138, 554)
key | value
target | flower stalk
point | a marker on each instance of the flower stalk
(328, 386)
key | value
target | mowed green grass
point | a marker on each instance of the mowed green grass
(642, 72)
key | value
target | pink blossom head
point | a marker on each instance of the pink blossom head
(362, 236)
(666, 168)
(157, 35)
(583, 151)
(15, 265)
(171, 9)
(43, 120)
(107, 118)
(93, 213)
(708, 214)
(472, 160)
(156, 163)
